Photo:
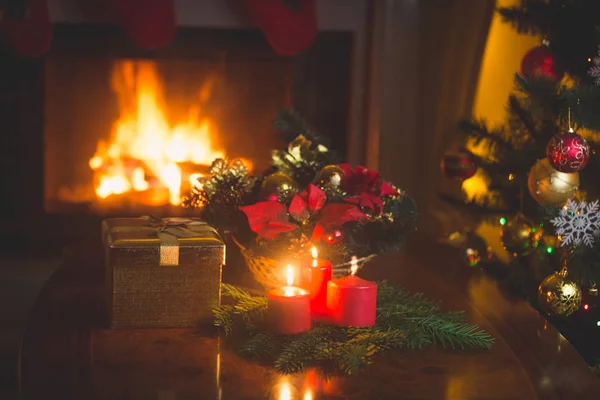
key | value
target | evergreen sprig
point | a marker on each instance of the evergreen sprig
(404, 320)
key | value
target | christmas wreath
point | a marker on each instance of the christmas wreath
(306, 196)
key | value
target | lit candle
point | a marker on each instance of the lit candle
(289, 307)
(314, 278)
(352, 301)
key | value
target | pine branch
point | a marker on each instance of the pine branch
(530, 20)
(224, 318)
(478, 131)
(450, 333)
(584, 102)
(403, 320)
(291, 124)
(525, 117)
(302, 351)
(262, 344)
(235, 292)
(248, 309)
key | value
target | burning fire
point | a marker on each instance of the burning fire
(145, 153)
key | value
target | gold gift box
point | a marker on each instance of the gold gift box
(161, 272)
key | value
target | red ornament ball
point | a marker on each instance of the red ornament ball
(540, 62)
(568, 152)
(458, 163)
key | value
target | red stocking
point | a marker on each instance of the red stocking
(288, 30)
(30, 36)
(148, 23)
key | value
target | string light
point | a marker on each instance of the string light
(586, 306)
(502, 221)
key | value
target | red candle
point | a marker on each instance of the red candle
(352, 301)
(314, 278)
(289, 307)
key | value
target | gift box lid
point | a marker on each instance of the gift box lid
(150, 232)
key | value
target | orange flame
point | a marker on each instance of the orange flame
(145, 152)
(353, 265)
(315, 255)
(289, 275)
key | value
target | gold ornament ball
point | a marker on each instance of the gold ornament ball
(516, 236)
(330, 175)
(278, 186)
(559, 296)
(550, 187)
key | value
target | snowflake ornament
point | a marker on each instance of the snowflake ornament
(595, 70)
(578, 223)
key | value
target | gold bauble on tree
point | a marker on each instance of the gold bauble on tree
(550, 187)
(278, 187)
(558, 295)
(517, 235)
(330, 175)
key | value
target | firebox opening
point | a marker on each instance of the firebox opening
(126, 131)
(129, 135)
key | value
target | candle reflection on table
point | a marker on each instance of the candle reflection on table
(285, 391)
(295, 387)
(218, 370)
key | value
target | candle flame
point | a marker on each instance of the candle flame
(289, 274)
(315, 255)
(353, 265)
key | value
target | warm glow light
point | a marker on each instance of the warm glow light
(285, 391)
(145, 150)
(315, 255)
(289, 275)
(476, 187)
(308, 395)
(569, 289)
(586, 306)
(195, 180)
(353, 265)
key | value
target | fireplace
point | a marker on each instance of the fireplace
(113, 129)
(357, 83)
(127, 132)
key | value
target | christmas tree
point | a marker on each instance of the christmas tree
(538, 174)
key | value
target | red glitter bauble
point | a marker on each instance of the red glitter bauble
(568, 152)
(540, 62)
(458, 163)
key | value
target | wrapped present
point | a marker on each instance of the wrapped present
(161, 272)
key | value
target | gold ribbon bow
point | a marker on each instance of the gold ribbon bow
(169, 231)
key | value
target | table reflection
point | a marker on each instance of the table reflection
(303, 386)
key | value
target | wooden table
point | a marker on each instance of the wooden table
(66, 353)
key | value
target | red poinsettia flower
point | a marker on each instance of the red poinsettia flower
(307, 203)
(336, 214)
(388, 190)
(364, 180)
(366, 200)
(268, 219)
